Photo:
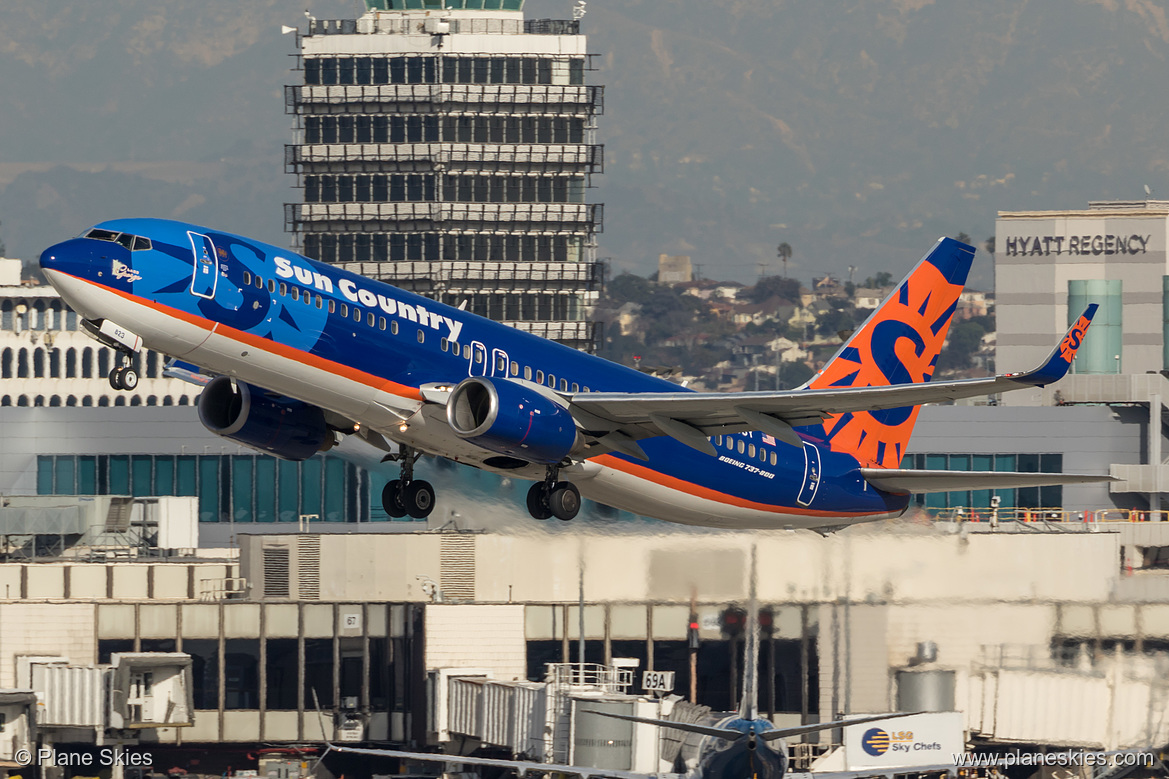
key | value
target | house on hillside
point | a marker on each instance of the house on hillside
(870, 297)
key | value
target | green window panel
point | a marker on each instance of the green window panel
(310, 487)
(66, 476)
(187, 477)
(289, 491)
(118, 475)
(208, 489)
(242, 479)
(265, 490)
(86, 475)
(334, 490)
(980, 499)
(141, 468)
(45, 475)
(164, 476)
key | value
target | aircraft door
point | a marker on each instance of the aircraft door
(811, 475)
(478, 365)
(499, 362)
(206, 271)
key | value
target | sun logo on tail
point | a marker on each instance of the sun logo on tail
(899, 344)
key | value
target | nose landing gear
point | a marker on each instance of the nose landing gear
(124, 377)
(405, 495)
(553, 498)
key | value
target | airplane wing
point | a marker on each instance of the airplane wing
(903, 481)
(691, 417)
(521, 767)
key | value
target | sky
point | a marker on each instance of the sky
(857, 133)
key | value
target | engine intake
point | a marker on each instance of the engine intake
(285, 427)
(506, 417)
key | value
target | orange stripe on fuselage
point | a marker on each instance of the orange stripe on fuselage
(698, 491)
(268, 345)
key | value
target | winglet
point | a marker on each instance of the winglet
(1060, 360)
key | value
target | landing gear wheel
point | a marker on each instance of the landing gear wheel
(564, 500)
(392, 499)
(537, 506)
(129, 378)
(116, 379)
(418, 498)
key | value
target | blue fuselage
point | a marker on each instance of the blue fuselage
(300, 327)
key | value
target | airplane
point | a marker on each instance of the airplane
(740, 745)
(296, 353)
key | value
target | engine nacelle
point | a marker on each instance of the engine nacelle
(506, 417)
(287, 428)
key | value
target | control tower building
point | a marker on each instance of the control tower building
(446, 147)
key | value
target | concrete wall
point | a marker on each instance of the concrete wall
(487, 637)
(864, 563)
(62, 630)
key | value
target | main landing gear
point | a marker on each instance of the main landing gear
(123, 376)
(404, 495)
(552, 498)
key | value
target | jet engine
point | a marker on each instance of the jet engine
(506, 417)
(287, 428)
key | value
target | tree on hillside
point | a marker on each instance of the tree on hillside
(989, 245)
(882, 279)
(962, 237)
(962, 343)
(775, 286)
(626, 288)
(2, 249)
(784, 252)
(841, 317)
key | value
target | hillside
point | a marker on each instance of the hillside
(856, 132)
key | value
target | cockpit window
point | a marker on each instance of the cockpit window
(135, 243)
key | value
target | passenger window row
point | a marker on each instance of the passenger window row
(502, 365)
(745, 447)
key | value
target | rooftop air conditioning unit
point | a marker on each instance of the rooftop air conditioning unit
(437, 26)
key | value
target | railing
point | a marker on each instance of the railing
(504, 276)
(602, 677)
(573, 97)
(223, 589)
(966, 514)
(479, 155)
(414, 24)
(324, 217)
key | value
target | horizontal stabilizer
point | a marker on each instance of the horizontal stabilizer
(799, 730)
(727, 734)
(903, 480)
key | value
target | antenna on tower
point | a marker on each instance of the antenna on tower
(578, 11)
(1148, 191)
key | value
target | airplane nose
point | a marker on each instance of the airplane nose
(48, 258)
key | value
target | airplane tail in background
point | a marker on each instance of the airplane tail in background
(898, 344)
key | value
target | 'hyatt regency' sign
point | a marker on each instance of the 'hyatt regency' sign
(1045, 245)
